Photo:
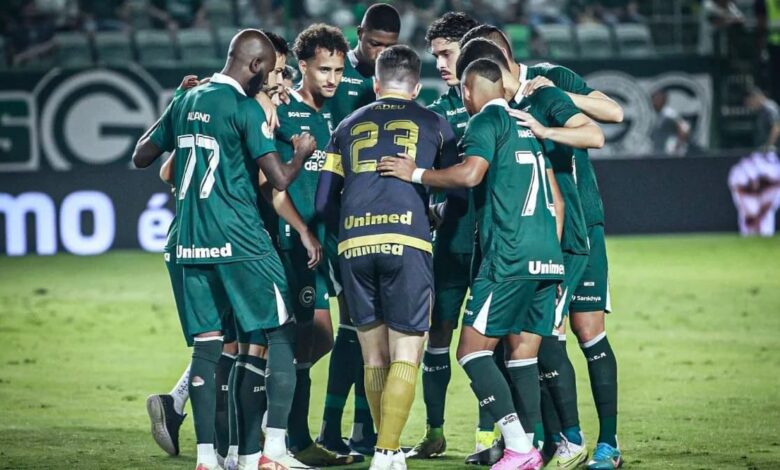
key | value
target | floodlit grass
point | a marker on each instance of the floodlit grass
(83, 341)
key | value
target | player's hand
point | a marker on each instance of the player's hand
(535, 84)
(269, 109)
(204, 80)
(526, 120)
(188, 82)
(313, 248)
(400, 167)
(304, 144)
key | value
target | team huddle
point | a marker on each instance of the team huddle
(343, 189)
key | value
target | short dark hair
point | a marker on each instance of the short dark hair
(451, 26)
(280, 44)
(289, 72)
(319, 36)
(485, 68)
(488, 31)
(382, 17)
(398, 64)
(479, 48)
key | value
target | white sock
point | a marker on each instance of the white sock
(514, 435)
(249, 462)
(207, 455)
(275, 444)
(181, 392)
(382, 459)
(232, 453)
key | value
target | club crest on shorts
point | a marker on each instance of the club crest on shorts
(306, 296)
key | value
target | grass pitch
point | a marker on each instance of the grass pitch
(83, 341)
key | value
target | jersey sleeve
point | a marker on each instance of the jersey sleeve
(333, 163)
(256, 133)
(557, 106)
(448, 150)
(436, 107)
(479, 140)
(565, 79)
(163, 136)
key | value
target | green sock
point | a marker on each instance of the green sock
(435, 380)
(550, 420)
(363, 423)
(280, 385)
(250, 402)
(558, 374)
(203, 388)
(602, 368)
(222, 421)
(489, 386)
(527, 395)
(298, 423)
(342, 374)
(232, 421)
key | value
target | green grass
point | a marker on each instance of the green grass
(83, 341)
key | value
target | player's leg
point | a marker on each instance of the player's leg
(227, 452)
(250, 396)
(590, 303)
(493, 311)
(166, 411)
(204, 298)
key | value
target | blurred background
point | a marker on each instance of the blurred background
(81, 80)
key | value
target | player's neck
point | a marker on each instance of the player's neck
(394, 93)
(511, 86)
(314, 100)
(363, 66)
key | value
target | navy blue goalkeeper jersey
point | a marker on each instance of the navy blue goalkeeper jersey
(377, 210)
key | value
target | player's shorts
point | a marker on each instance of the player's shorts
(575, 266)
(329, 268)
(451, 279)
(592, 293)
(497, 309)
(256, 290)
(396, 289)
(308, 289)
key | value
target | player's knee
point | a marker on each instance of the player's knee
(441, 334)
(587, 326)
(230, 348)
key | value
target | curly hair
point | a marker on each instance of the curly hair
(451, 26)
(320, 36)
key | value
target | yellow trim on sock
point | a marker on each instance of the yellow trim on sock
(374, 383)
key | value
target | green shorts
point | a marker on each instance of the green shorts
(497, 309)
(592, 293)
(451, 279)
(255, 290)
(308, 289)
(575, 266)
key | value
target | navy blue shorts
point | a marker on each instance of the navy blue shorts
(396, 289)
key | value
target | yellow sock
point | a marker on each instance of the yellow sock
(374, 382)
(397, 401)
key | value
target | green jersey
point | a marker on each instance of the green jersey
(295, 118)
(218, 133)
(552, 108)
(588, 187)
(515, 214)
(455, 235)
(355, 91)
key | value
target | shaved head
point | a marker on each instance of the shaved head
(251, 58)
(481, 82)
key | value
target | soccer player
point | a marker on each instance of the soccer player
(320, 50)
(518, 224)
(228, 257)
(453, 248)
(378, 30)
(591, 297)
(384, 238)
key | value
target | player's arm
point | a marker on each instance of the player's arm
(166, 170)
(598, 106)
(285, 207)
(456, 202)
(281, 174)
(467, 174)
(560, 205)
(329, 185)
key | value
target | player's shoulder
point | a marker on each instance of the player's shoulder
(548, 69)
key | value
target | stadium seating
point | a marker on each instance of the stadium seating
(155, 48)
(559, 39)
(219, 13)
(350, 33)
(196, 47)
(72, 50)
(3, 54)
(520, 35)
(224, 35)
(634, 40)
(138, 14)
(595, 41)
(113, 48)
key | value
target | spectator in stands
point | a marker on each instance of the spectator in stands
(717, 18)
(176, 14)
(767, 127)
(671, 131)
(30, 34)
(104, 15)
(768, 24)
(546, 12)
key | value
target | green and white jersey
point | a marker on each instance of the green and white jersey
(295, 118)
(515, 213)
(218, 133)
(552, 108)
(588, 187)
(456, 234)
(355, 91)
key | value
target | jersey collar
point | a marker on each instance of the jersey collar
(394, 96)
(496, 102)
(352, 57)
(227, 80)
